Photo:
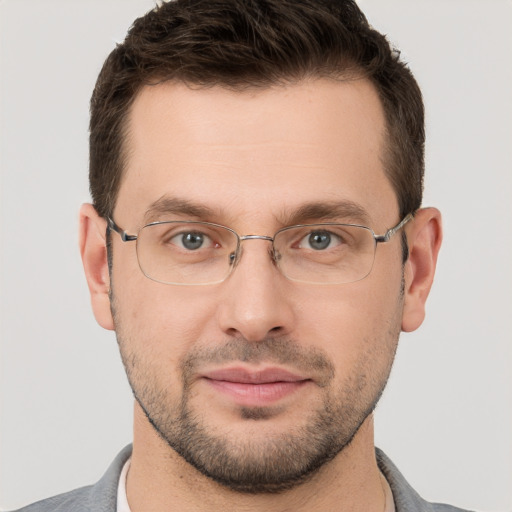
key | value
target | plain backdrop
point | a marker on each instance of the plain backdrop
(446, 417)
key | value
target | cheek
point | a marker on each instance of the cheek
(156, 327)
(168, 319)
(353, 322)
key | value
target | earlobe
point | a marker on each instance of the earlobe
(424, 236)
(92, 229)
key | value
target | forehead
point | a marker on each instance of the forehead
(256, 151)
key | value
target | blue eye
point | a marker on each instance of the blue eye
(192, 240)
(319, 240)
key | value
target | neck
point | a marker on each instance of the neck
(160, 479)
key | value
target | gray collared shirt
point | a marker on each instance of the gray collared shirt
(102, 496)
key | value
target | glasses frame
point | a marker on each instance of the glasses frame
(386, 237)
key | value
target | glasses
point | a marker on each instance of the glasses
(199, 253)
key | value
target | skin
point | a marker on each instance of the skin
(253, 158)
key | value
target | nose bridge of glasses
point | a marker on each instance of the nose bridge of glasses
(235, 257)
(256, 237)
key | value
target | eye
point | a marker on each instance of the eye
(192, 240)
(320, 240)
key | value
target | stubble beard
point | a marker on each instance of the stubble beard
(268, 464)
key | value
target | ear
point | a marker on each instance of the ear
(92, 232)
(424, 236)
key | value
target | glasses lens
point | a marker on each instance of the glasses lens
(325, 253)
(186, 252)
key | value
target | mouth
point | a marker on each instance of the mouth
(255, 388)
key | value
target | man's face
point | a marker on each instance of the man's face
(259, 380)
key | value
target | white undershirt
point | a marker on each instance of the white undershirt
(390, 502)
(122, 500)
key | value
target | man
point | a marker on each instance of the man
(257, 243)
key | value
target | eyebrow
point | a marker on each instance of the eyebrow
(330, 211)
(167, 205)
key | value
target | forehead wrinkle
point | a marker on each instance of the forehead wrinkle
(332, 211)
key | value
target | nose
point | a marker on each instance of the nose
(256, 300)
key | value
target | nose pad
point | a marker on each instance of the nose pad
(234, 257)
(275, 255)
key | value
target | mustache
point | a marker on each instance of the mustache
(280, 351)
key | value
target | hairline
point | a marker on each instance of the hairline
(388, 150)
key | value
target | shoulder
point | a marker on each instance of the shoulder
(406, 498)
(72, 501)
(442, 507)
(100, 496)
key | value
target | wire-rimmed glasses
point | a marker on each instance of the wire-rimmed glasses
(199, 253)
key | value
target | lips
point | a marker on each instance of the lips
(255, 388)
(265, 376)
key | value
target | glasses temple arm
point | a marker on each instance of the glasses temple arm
(391, 231)
(125, 237)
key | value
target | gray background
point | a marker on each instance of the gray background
(446, 417)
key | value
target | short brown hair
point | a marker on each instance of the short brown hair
(241, 44)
